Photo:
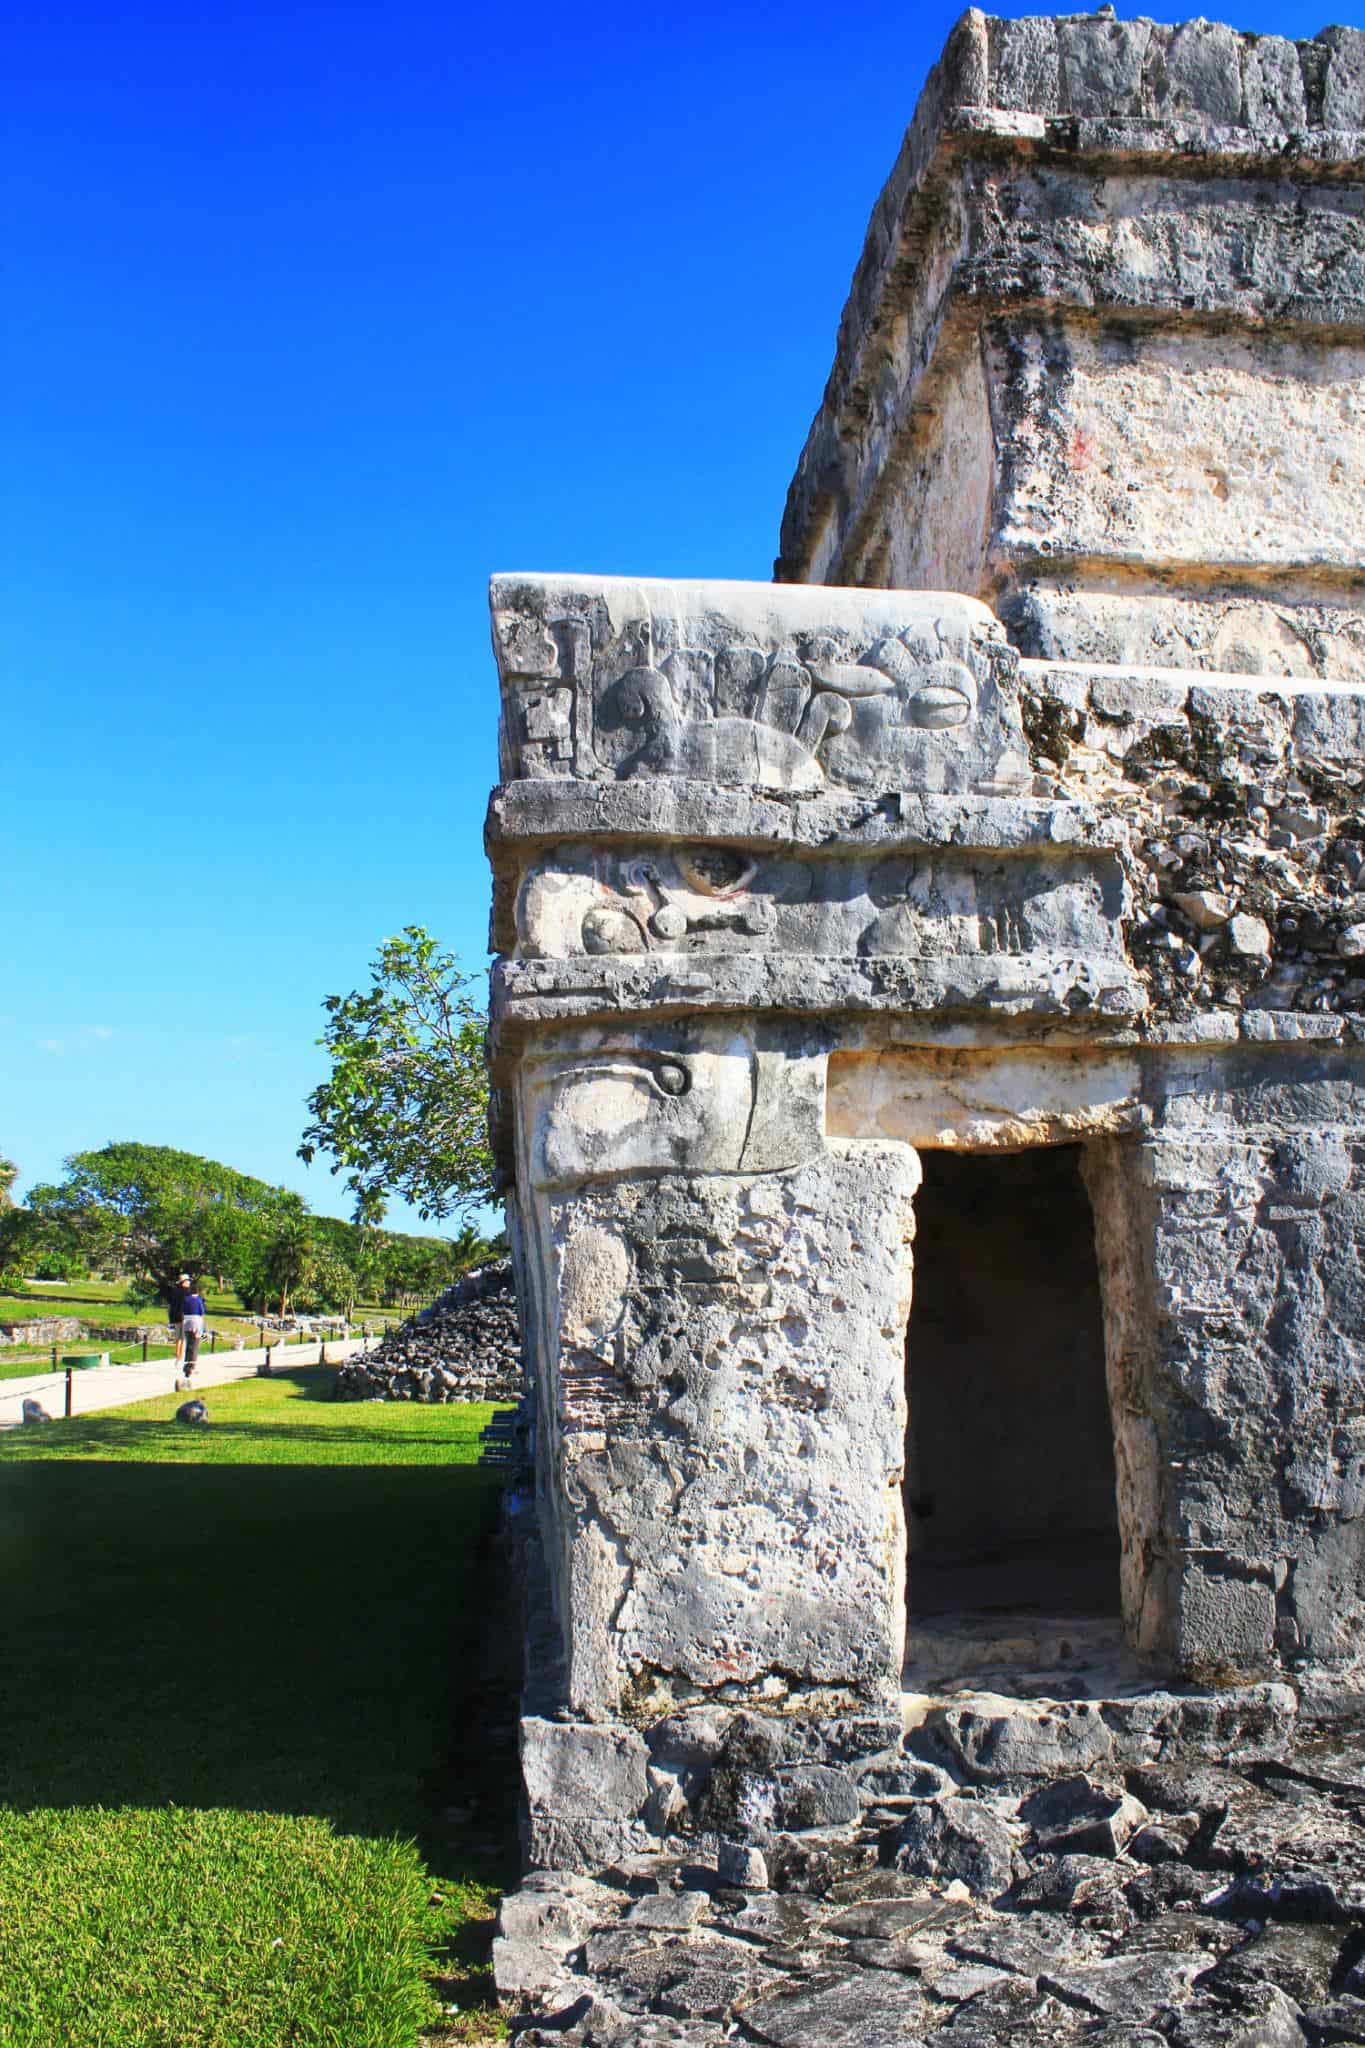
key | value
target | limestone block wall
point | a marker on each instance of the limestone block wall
(798, 885)
(1103, 360)
(722, 1425)
(1246, 1359)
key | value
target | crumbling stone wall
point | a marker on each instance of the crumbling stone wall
(1247, 829)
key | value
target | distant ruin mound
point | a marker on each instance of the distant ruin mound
(465, 1347)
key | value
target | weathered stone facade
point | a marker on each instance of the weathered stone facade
(799, 888)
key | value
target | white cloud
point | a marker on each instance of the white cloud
(88, 1039)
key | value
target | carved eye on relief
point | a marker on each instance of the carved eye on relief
(944, 695)
(715, 870)
(673, 1077)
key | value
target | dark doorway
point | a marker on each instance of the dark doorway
(1009, 1487)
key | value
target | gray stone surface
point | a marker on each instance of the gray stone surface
(464, 1346)
(864, 2010)
(956, 1839)
(1070, 1949)
(587, 1773)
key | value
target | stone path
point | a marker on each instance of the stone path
(117, 1386)
(1174, 1905)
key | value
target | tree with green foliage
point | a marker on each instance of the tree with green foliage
(416, 1269)
(152, 1212)
(9, 1174)
(332, 1287)
(276, 1260)
(18, 1247)
(404, 1110)
(471, 1248)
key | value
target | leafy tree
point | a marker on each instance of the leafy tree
(471, 1248)
(278, 1258)
(331, 1286)
(289, 1250)
(18, 1247)
(404, 1110)
(365, 1257)
(57, 1266)
(152, 1212)
(9, 1174)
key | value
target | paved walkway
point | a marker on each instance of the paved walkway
(116, 1386)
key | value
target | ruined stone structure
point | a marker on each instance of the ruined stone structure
(966, 932)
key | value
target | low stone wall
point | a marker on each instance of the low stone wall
(44, 1330)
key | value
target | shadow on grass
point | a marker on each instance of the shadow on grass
(288, 1638)
(317, 1383)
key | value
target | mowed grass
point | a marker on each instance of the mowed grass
(233, 1666)
(31, 1364)
(103, 1305)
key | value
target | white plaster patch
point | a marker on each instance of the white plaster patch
(968, 1099)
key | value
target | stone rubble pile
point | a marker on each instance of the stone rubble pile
(465, 1347)
(1168, 1904)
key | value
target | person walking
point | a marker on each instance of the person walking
(175, 1306)
(193, 1318)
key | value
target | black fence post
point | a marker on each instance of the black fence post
(144, 1347)
(69, 1377)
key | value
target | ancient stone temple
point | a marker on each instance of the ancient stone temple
(929, 1020)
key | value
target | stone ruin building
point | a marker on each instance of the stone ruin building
(929, 1019)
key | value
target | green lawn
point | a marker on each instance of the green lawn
(29, 1363)
(238, 1676)
(103, 1305)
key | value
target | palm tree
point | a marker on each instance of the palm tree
(9, 1174)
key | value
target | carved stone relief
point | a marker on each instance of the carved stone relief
(707, 1099)
(614, 681)
(926, 904)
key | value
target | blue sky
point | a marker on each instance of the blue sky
(314, 318)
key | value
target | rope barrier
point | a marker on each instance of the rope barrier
(118, 1371)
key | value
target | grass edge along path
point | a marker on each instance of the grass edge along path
(190, 1856)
